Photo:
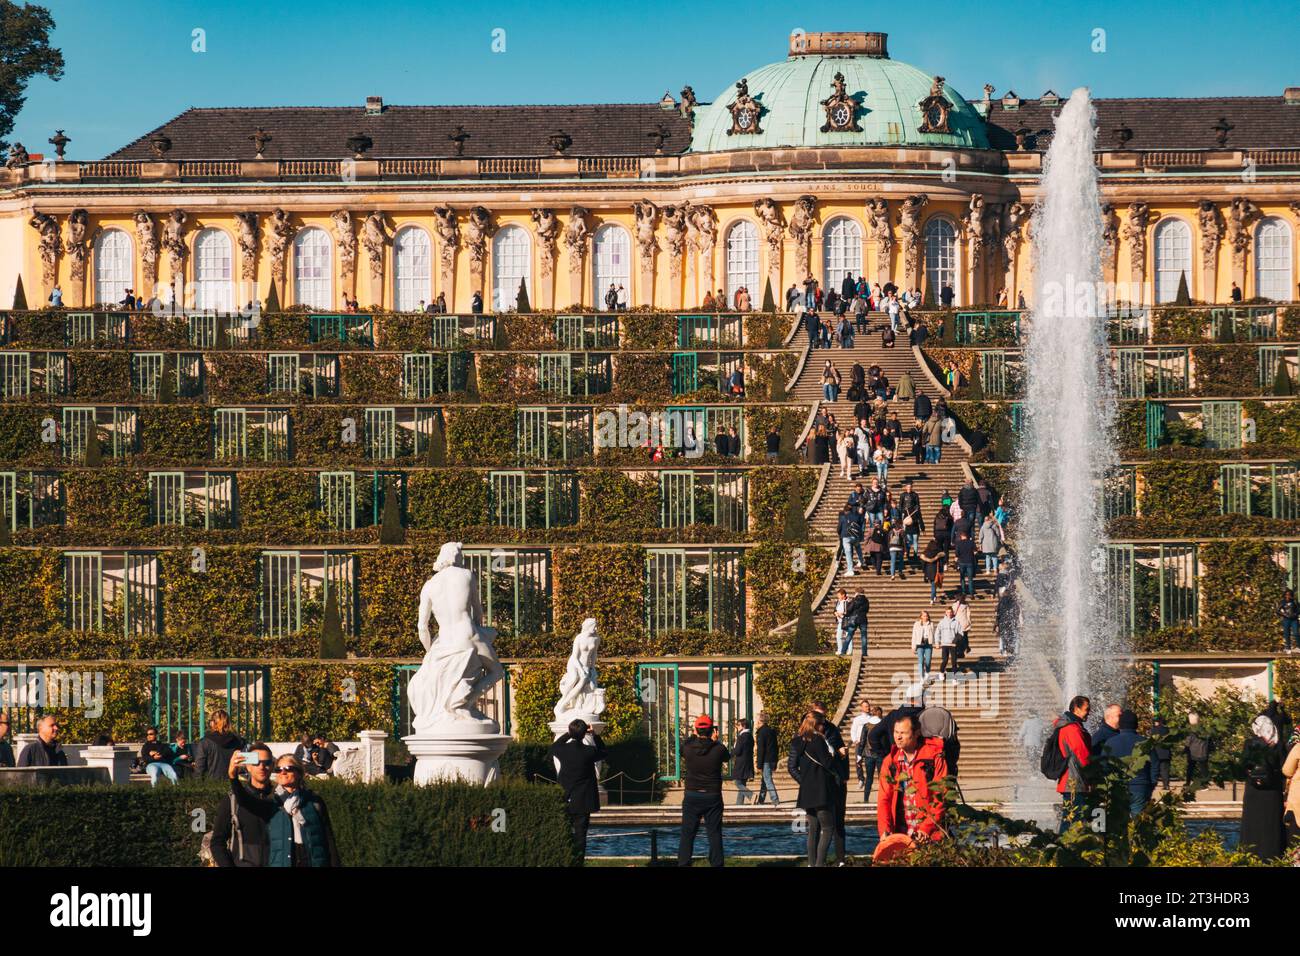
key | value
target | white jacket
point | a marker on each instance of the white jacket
(922, 633)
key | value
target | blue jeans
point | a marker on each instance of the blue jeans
(768, 784)
(156, 768)
(846, 341)
(868, 768)
(932, 453)
(967, 575)
(810, 300)
(934, 590)
(830, 392)
(895, 561)
(990, 563)
(1290, 632)
(848, 555)
(924, 654)
(911, 539)
(846, 641)
(882, 471)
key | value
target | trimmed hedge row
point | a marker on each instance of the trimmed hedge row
(374, 825)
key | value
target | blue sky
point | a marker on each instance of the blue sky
(131, 67)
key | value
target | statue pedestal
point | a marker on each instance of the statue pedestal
(457, 755)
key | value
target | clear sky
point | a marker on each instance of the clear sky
(131, 66)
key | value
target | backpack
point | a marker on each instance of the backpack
(236, 845)
(1053, 763)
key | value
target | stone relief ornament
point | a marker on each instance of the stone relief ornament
(773, 225)
(1015, 218)
(1211, 222)
(281, 228)
(345, 240)
(75, 246)
(17, 157)
(647, 215)
(935, 109)
(880, 229)
(802, 217)
(173, 240)
(575, 238)
(374, 237)
(701, 228)
(1242, 214)
(477, 226)
(146, 236)
(745, 112)
(248, 235)
(260, 140)
(675, 236)
(1109, 233)
(1135, 233)
(580, 695)
(447, 227)
(49, 246)
(547, 228)
(841, 109)
(909, 223)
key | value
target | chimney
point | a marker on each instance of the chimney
(374, 105)
(1291, 96)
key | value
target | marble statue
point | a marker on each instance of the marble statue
(461, 664)
(579, 694)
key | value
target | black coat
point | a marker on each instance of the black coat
(836, 741)
(742, 757)
(36, 754)
(254, 810)
(921, 407)
(811, 764)
(212, 754)
(577, 774)
(1261, 806)
(6, 754)
(765, 742)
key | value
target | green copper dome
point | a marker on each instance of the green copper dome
(889, 94)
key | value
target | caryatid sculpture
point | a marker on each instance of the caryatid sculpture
(879, 229)
(579, 694)
(461, 664)
(802, 217)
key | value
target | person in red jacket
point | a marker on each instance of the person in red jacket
(911, 784)
(1076, 745)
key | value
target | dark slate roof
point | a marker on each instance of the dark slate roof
(322, 132)
(1258, 122)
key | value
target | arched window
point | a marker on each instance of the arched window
(1173, 255)
(512, 255)
(1273, 260)
(941, 259)
(412, 275)
(742, 262)
(611, 261)
(114, 272)
(841, 252)
(214, 287)
(313, 279)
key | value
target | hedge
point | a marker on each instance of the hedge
(482, 435)
(371, 378)
(107, 498)
(1241, 587)
(389, 583)
(776, 575)
(274, 498)
(535, 689)
(616, 501)
(175, 434)
(221, 602)
(1179, 490)
(769, 493)
(788, 687)
(337, 700)
(31, 591)
(1226, 370)
(450, 499)
(104, 375)
(383, 824)
(607, 583)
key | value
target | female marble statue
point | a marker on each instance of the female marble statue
(461, 665)
(578, 691)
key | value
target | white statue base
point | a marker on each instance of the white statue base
(461, 755)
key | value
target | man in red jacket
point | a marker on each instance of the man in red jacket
(911, 784)
(1076, 745)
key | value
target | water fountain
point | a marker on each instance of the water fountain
(1067, 434)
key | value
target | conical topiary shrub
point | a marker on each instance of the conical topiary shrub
(471, 380)
(1183, 296)
(6, 534)
(796, 524)
(94, 452)
(974, 391)
(20, 296)
(390, 528)
(769, 302)
(1227, 334)
(437, 456)
(332, 646)
(1282, 384)
(789, 435)
(272, 300)
(778, 383)
(805, 631)
(521, 299)
(167, 387)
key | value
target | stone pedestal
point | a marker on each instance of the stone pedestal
(116, 760)
(457, 755)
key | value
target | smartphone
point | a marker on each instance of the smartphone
(251, 758)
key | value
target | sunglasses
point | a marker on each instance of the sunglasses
(287, 769)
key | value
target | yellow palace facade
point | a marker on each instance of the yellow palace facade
(834, 160)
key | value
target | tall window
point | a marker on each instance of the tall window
(1173, 254)
(512, 255)
(214, 288)
(742, 261)
(113, 266)
(1273, 260)
(313, 280)
(842, 252)
(412, 278)
(611, 262)
(941, 259)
